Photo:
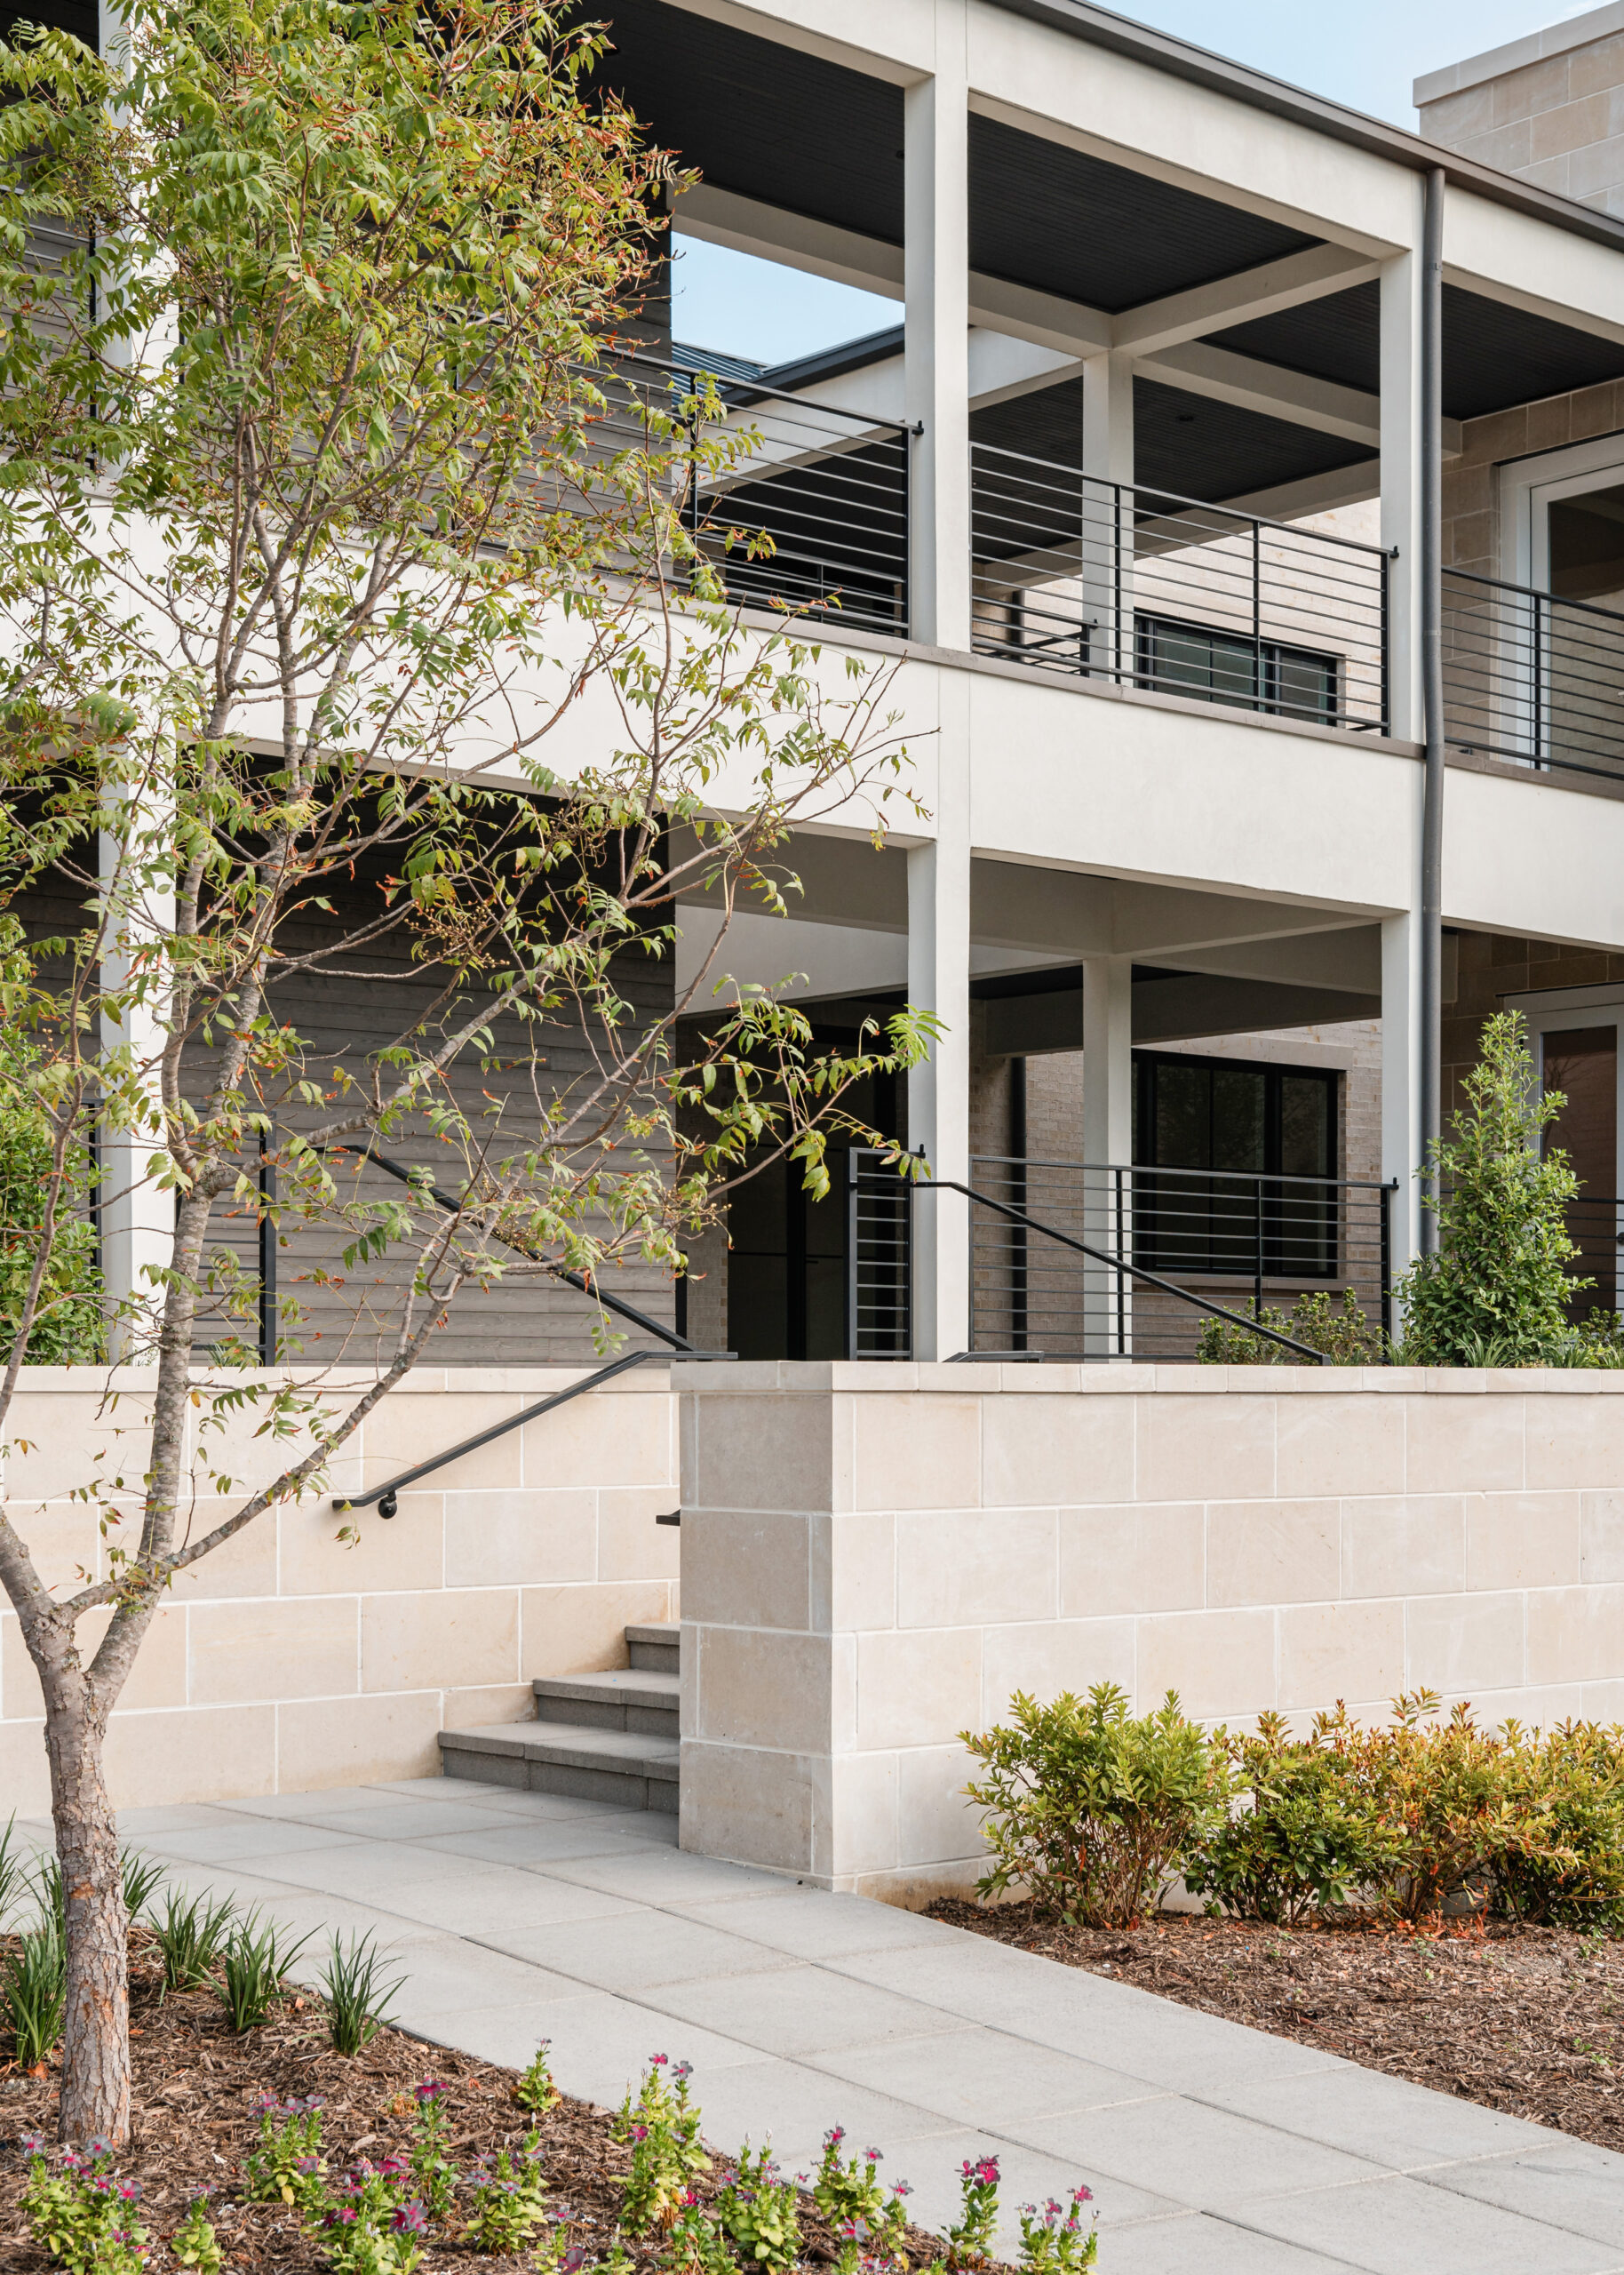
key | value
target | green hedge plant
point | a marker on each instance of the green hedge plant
(1302, 1835)
(1092, 1810)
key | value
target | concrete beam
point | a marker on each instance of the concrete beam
(1189, 1006)
(1262, 291)
(1225, 377)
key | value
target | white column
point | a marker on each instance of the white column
(1401, 1136)
(939, 1091)
(936, 386)
(137, 1213)
(1401, 474)
(1401, 520)
(1108, 1139)
(1108, 521)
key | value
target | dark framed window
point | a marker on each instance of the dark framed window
(1230, 1157)
(1193, 659)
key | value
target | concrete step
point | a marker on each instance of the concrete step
(653, 1645)
(628, 1698)
(630, 1769)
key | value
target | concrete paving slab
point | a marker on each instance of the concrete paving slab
(666, 1876)
(796, 2010)
(984, 2076)
(546, 1840)
(1217, 2160)
(1212, 2149)
(630, 1953)
(809, 1923)
(1400, 2226)
(1573, 2186)
(229, 1844)
(1196, 2244)
(1386, 2120)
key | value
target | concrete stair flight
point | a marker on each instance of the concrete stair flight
(596, 1737)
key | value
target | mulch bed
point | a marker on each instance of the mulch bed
(196, 2083)
(1527, 2020)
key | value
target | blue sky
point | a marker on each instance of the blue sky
(1366, 55)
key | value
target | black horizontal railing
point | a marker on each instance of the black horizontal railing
(1531, 677)
(1148, 589)
(808, 509)
(1208, 1239)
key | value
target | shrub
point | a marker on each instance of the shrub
(1499, 1280)
(194, 2243)
(1054, 2241)
(1342, 1332)
(510, 2201)
(189, 1933)
(1567, 1868)
(286, 2165)
(1091, 1809)
(661, 2130)
(1444, 1791)
(1307, 1835)
(535, 2090)
(253, 1962)
(358, 1991)
(34, 1982)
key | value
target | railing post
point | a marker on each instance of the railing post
(1387, 662)
(1387, 1274)
(1118, 1249)
(1257, 611)
(1257, 1262)
(268, 1251)
(851, 1253)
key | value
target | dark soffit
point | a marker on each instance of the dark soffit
(1183, 442)
(761, 119)
(1050, 217)
(1495, 356)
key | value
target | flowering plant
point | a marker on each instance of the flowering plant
(761, 2214)
(971, 2241)
(1055, 2240)
(288, 2163)
(81, 2212)
(372, 2219)
(509, 2200)
(846, 2192)
(535, 2092)
(432, 2169)
(661, 2130)
(194, 2243)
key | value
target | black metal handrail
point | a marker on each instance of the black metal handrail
(1151, 589)
(1532, 677)
(386, 1495)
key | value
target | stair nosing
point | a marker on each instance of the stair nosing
(578, 1745)
(648, 1687)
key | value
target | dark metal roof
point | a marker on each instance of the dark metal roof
(1183, 59)
(1183, 442)
(1493, 355)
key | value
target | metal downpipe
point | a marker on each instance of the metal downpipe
(1432, 692)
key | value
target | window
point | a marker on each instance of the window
(1220, 1146)
(1227, 667)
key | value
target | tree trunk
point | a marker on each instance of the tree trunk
(95, 2096)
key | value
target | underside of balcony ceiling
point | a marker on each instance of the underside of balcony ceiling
(793, 134)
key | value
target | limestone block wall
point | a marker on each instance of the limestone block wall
(286, 1660)
(875, 1557)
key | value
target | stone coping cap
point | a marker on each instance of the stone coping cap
(1516, 55)
(1114, 1378)
(346, 1382)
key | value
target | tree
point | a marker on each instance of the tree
(1497, 1291)
(354, 608)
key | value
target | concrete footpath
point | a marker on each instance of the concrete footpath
(1211, 2149)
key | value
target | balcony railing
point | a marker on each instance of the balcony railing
(1531, 677)
(809, 513)
(1147, 589)
(1231, 1237)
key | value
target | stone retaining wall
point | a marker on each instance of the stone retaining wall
(286, 1660)
(875, 1557)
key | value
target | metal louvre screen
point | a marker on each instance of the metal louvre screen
(1149, 590)
(1232, 1239)
(1532, 678)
